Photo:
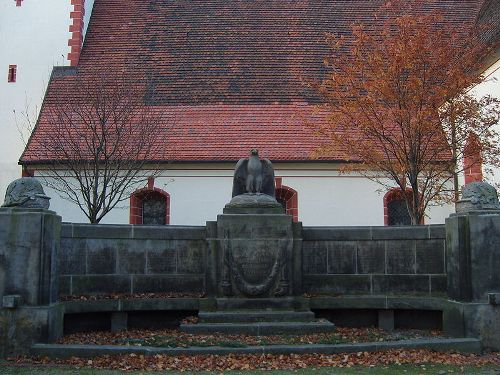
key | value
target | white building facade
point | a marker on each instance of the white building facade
(35, 36)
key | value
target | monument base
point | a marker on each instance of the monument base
(249, 203)
(254, 253)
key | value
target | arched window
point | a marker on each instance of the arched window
(288, 198)
(150, 206)
(395, 209)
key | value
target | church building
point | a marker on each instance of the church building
(228, 77)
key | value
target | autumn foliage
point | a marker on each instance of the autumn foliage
(399, 101)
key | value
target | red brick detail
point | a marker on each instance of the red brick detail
(290, 197)
(27, 172)
(12, 74)
(473, 162)
(76, 30)
(151, 182)
(136, 198)
(278, 181)
(391, 195)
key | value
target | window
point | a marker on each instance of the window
(395, 209)
(19, 3)
(12, 73)
(150, 206)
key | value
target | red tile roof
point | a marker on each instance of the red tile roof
(228, 73)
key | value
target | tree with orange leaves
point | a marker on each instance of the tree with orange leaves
(399, 103)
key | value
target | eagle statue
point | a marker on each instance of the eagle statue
(253, 175)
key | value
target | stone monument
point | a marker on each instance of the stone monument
(29, 280)
(255, 238)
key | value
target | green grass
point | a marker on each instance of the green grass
(7, 369)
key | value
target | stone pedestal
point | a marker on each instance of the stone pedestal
(473, 255)
(29, 279)
(252, 251)
(255, 255)
(29, 243)
(473, 265)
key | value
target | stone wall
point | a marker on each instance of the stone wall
(374, 260)
(102, 259)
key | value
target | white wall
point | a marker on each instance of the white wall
(325, 198)
(34, 37)
(491, 86)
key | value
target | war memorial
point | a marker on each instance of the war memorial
(252, 271)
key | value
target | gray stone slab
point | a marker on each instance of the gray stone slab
(416, 303)
(101, 256)
(438, 284)
(342, 257)
(191, 257)
(430, 256)
(283, 303)
(349, 302)
(412, 232)
(168, 283)
(261, 328)
(162, 257)
(336, 233)
(169, 232)
(314, 257)
(400, 257)
(371, 257)
(104, 305)
(243, 316)
(255, 226)
(64, 285)
(73, 256)
(104, 231)
(160, 304)
(131, 257)
(101, 284)
(337, 284)
(66, 230)
(29, 246)
(484, 255)
(405, 284)
(466, 345)
(437, 231)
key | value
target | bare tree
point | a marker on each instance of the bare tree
(96, 138)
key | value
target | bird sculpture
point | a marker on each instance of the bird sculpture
(253, 175)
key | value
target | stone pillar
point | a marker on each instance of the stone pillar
(473, 265)
(29, 243)
(29, 312)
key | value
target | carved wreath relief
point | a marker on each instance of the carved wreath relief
(263, 273)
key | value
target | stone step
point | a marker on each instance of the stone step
(261, 328)
(253, 316)
(282, 303)
(463, 345)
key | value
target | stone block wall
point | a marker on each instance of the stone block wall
(374, 260)
(103, 259)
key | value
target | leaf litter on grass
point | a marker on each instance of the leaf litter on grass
(135, 362)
